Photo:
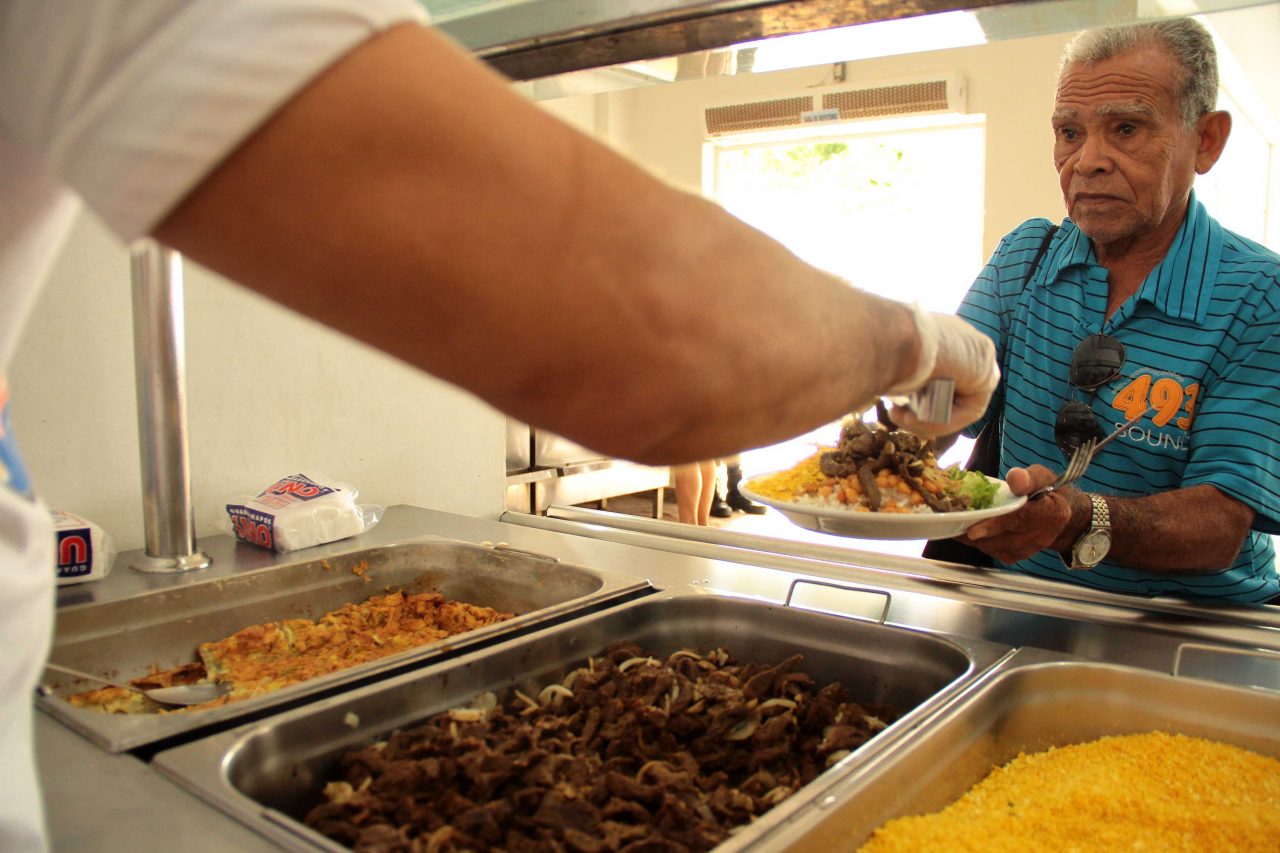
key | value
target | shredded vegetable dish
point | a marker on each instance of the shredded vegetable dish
(263, 658)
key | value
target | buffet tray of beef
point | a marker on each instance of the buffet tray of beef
(678, 721)
(273, 637)
(1051, 753)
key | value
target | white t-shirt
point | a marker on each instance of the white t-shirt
(124, 105)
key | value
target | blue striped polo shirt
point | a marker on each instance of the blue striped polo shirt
(1202, 351)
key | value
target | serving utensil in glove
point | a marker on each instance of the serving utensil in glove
(932, 403)
(955, 352)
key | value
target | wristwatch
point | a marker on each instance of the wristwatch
(1092, 546)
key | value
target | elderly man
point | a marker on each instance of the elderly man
(1138, 304)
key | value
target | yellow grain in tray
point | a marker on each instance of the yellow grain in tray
(1148, 792)
(785, 485)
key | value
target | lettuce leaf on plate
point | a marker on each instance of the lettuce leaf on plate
(980, 489)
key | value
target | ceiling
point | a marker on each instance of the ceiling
(529, 39)
(635, 41)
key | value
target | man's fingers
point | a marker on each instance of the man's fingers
(1024, 481)
(1019, 480)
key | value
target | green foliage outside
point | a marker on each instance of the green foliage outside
(834, 177)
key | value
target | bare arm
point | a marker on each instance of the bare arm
(410, 199)
(1197, 530)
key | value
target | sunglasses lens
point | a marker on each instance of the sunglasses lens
(1075, 425)
(1096, 362)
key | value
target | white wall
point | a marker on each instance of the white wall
(269, 394)
(1011, 82)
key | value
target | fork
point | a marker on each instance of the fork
(1081, 458)
(1076, 466)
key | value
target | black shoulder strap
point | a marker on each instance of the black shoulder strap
(1031, 271)
(1044, 247)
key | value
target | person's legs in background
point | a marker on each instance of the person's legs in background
(688, 484)
(707, 494)
(695, 487)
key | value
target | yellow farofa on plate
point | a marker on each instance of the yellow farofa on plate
(789, 484)
(806, 480)
(1155, 791)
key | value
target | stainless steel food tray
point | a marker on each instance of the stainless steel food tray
(128, 638)
(268, 774)
(1027, 704)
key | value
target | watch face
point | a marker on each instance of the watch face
(1093, 547)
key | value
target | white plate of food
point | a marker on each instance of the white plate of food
(880, 482)
(884, 525)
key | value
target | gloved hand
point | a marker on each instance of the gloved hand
(950, 349)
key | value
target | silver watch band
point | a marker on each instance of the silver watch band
(1095, 542)
(1101, 512)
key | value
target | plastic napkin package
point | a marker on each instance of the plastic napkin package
(85, 551)
(300, 511)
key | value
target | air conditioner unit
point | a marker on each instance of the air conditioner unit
(919, 96)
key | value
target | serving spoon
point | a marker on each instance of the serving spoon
(181, 694)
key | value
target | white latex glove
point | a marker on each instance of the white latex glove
(950, 349)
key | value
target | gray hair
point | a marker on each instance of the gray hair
(1185, 40)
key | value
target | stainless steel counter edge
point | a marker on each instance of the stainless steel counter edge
(871, 566)
(1233, 644)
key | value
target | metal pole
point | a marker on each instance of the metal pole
(160, 371)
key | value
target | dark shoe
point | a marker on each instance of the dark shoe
(736, 499)
(740, 502)
(720, 509)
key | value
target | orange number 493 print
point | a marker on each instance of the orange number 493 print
(1165, 395)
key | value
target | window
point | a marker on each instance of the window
(896, 209)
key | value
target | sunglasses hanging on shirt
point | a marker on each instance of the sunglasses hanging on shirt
(1097, 361)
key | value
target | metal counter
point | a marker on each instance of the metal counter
(99, 801)
(1232, 643)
